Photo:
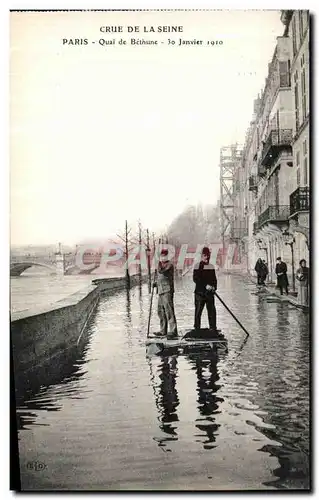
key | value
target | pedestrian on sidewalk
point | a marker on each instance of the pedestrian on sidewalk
(266, 272)
(262, 271)
(302, 276)
(205, 280)
(282, 279)
(165, 287)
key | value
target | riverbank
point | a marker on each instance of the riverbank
(41, 334)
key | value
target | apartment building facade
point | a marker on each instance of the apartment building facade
(275, 166)
(297, 25)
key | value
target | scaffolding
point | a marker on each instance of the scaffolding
(230, 160)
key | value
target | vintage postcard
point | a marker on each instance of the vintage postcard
(159, 254)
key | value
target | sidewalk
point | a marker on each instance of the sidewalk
(291, 298)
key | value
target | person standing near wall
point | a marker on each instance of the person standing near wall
(266, 271)
(262, 271)
(302, 276)
(258, 266)
(282, 279)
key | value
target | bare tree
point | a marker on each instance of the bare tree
(126, 241)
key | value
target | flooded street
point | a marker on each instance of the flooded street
(112, 418)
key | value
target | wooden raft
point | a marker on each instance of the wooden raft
(193, 339)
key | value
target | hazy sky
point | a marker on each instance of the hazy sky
(104, 134)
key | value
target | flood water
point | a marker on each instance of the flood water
(35, 288)
(115, 419)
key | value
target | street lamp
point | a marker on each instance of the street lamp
(290, 240)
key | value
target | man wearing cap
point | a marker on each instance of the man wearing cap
(206, 283)
(165, 287)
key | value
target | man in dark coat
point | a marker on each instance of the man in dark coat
(206, 283)
(265, 273)
(282, 279)
(261, 269)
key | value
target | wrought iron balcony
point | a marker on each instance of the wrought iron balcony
(299, 200)
(277, 140)
(274, 214)
(253, 183)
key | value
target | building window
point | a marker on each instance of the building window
(284, 74)
(294, 37)
(304, 148)
(296, 101)
(301, 29)
(303, 88)
(305, 171)
(298, 168)
(303, 95)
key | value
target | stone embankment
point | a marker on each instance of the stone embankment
(40, 335)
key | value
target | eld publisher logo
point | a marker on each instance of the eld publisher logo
(37, 466)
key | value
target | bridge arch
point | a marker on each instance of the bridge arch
(17, 268)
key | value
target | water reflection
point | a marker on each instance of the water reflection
(128, 306)
(264, 379)
(141, 301)
(46, 385)
(207, 375)
(140, 286)
(284, 396)
(166, 399)
(282, 309)
(262, 313)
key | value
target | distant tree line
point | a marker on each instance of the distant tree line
(197, 224)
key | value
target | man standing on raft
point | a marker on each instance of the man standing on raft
(206, 283)
(165, 287)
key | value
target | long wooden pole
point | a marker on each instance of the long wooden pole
(140, 247)
(126, 255)
(232, 314)
(150, 313)
(148, 258)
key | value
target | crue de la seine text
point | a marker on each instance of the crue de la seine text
(144, 29)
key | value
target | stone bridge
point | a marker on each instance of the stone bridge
(57, 263)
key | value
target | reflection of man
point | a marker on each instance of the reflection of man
(167, 400)
(206, 283)
(165, 286)
(207, 399)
